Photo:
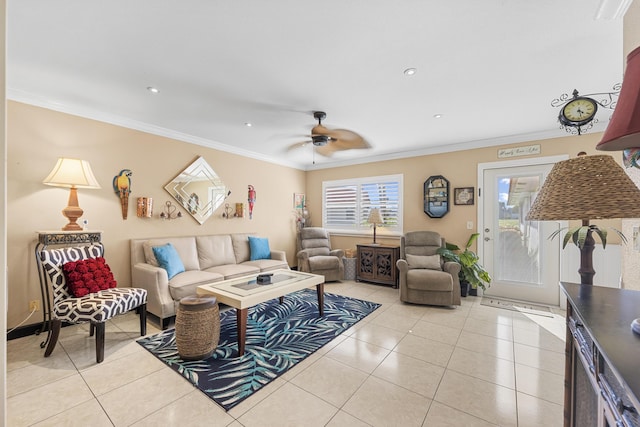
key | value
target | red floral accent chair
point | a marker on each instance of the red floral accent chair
(84, 290)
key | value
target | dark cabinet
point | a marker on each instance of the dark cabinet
(602, 366)
(377, 264)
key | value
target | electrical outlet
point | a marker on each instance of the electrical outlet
(34, 305)
(469, 225)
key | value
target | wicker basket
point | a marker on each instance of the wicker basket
(197, 327)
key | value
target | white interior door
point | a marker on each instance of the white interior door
(524, 264)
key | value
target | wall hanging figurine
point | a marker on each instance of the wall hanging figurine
(251, 199)
(122, 187)
(144, 207)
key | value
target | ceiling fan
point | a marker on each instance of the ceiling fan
(328, 141)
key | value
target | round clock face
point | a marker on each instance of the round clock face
(578, 112)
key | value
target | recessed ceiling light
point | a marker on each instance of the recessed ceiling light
(437, 116)
(247, 124)
(153, 89)
(410, 71)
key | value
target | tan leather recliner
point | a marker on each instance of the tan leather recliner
(424, 276)
(316, 256)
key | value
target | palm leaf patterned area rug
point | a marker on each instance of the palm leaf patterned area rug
(279, 336)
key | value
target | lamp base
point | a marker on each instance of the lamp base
(72, 212)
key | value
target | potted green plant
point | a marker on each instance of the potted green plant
(471, 271)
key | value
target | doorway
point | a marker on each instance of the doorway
(523, 263)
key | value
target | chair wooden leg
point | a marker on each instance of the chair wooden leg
(99, 341)
(92, 329)
(56, 324)
(143, 319)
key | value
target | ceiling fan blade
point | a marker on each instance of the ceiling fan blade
(297, 145)
(326, 150)
(348, 139)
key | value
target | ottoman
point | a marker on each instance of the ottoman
(197, 327)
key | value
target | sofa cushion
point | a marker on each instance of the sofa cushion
(215, 250)
(231, 271)
(429, 280)
(149, 256)
(259, 247)
(431, 262)
(241, 246)
(185, 246)
(268, 264)
(168, 258)
(185, 284)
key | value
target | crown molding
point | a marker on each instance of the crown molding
(27, 98)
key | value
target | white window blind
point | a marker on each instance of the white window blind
(346, 204)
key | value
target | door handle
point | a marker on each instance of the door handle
(486, 239)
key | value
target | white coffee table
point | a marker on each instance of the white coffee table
(245, 292)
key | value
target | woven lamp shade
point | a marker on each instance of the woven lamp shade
(585, 188)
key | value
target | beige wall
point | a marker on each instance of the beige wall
(37, 137)
(460, 168)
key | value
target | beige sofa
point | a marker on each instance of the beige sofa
(206, 259)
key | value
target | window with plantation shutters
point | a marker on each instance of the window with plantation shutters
(346, 204)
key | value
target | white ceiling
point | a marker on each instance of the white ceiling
(490, 67)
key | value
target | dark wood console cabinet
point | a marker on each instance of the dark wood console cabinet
(377, 264)
(602, 365)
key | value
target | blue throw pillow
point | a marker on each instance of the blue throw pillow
(168, 259)
(259, 248)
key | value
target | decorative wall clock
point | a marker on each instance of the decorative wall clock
(577, 114)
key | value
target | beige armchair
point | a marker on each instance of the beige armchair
(316, 256)
(424, 276)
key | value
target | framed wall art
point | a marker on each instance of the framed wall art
(463, 196)
(298, 201)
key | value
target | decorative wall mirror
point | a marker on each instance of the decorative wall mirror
(198, 190)
(436, 196)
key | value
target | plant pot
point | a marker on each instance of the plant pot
(473, 292)
(464, 288)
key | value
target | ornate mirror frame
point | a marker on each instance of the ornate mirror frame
(436, 196)
(198, 190)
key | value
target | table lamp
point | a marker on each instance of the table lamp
(72, 174)
(623, 130)
(586, 188)
(375, 219)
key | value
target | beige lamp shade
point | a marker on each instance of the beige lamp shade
(375, 217)
(585, 188)
(74, 174)
(623, 130)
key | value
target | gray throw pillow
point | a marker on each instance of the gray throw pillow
(431, 262)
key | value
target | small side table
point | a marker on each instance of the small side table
(377, 264)
(58, 238)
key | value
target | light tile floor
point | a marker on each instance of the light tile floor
(403, 365)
